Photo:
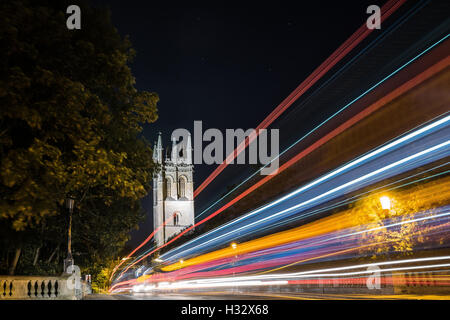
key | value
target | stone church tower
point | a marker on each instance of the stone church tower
(173, 191)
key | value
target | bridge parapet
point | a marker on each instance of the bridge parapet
(42, 288)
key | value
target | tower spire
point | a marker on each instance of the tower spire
(155, 153)
(157, 150)
(174, 156)
(188, 156)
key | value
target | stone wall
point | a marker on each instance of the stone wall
(42, 288)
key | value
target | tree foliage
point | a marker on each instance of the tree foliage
(70, 124)
(377, 224)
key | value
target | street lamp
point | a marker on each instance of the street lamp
(385, 203)
(70, 201)
(233, 245)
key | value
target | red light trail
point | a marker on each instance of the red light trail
(138, 247)
(389, 8)
(441, 65)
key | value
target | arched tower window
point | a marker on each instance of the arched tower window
(168, 187)
(182, 185)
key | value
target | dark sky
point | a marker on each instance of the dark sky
(228, 64)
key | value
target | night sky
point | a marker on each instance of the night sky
(226, 63)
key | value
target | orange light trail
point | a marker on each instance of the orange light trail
(423, 76)
(389, 8)
(425, 195)
(138, 247)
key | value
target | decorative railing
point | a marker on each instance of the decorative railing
(39, 288)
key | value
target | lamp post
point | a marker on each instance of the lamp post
(69, 260)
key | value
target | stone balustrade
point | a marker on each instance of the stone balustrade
(42, 288)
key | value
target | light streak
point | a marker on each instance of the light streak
(320, 272)
(418, 79)
(317, 74)
(326, 177)
(323, 272)
(357, 180)
(347, 124)
(283, 279)
(357, 197)
(328, 225)
(138, 247)
(194, 285)
(426, 74)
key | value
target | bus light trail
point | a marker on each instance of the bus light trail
(363, 114)
(376, 153)
(138, 247)
(427, 196)
(389, 8)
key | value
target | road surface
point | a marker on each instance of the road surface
(263, 296)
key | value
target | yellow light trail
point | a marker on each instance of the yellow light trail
(426, 195)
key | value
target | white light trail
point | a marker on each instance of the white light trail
(329, 192)
(326, 177)
(282, 279)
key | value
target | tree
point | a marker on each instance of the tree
(368, 215)
(70, 124)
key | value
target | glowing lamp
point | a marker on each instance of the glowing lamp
(385, 203)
